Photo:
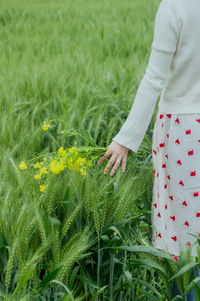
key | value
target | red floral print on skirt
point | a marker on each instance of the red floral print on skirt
(176, 187)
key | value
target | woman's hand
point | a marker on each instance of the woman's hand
(118, 152)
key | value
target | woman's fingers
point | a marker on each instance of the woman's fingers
(124, 162)
(118, 152)
(105, 156)
(110, 163)
(115, 166)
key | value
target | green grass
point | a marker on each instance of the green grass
(81, 62)
(88, 54)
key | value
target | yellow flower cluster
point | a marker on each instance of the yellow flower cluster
(79, 164)
(37, 165)
(37, 176)
(45, 126)
(42, 188)
(42, 170)
(88, 163)
(83, 171)
(72, 149)
(71, 158)
(74, 164)
(61, 152)
(56, 166)
(22, 165)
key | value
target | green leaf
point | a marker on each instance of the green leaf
(48, 278)
(147, 294)
(54, 220)
(150, 287)
(23, 279)
(129, 277)
(147, 249)
(197, 292)
(91, 140)
(190, 286)
(105, 237)
(86, 280)
(98, 293)
(66, 288)
(115, 230)
(150, 263)
(183, 270)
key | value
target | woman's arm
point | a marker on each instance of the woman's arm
(166, 36)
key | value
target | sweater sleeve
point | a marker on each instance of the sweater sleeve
(163, 47)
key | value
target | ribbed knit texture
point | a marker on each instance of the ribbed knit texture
(173, 70)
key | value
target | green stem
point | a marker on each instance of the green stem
(98, 263)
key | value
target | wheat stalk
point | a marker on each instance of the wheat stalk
(10, 264)
(94, 201)
(70, 220)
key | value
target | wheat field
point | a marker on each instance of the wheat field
(77, 64)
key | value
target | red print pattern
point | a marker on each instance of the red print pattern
(176, 188)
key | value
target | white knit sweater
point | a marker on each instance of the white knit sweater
(173, 69)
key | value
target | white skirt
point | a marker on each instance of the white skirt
(176, 188)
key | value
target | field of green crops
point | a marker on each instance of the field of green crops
(67, 235)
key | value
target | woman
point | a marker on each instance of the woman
(174, 71)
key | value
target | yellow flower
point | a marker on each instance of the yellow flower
(57, 166)
(70, 164)
(71, 149)
(43, 171)
(80, 161)
(114, 233)
(37, 165)
(83, 172)
(43, 187)
(76, 164)
(61, 152)
(22, 165)
(88, 163)
(37, 177)
(45, 126)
